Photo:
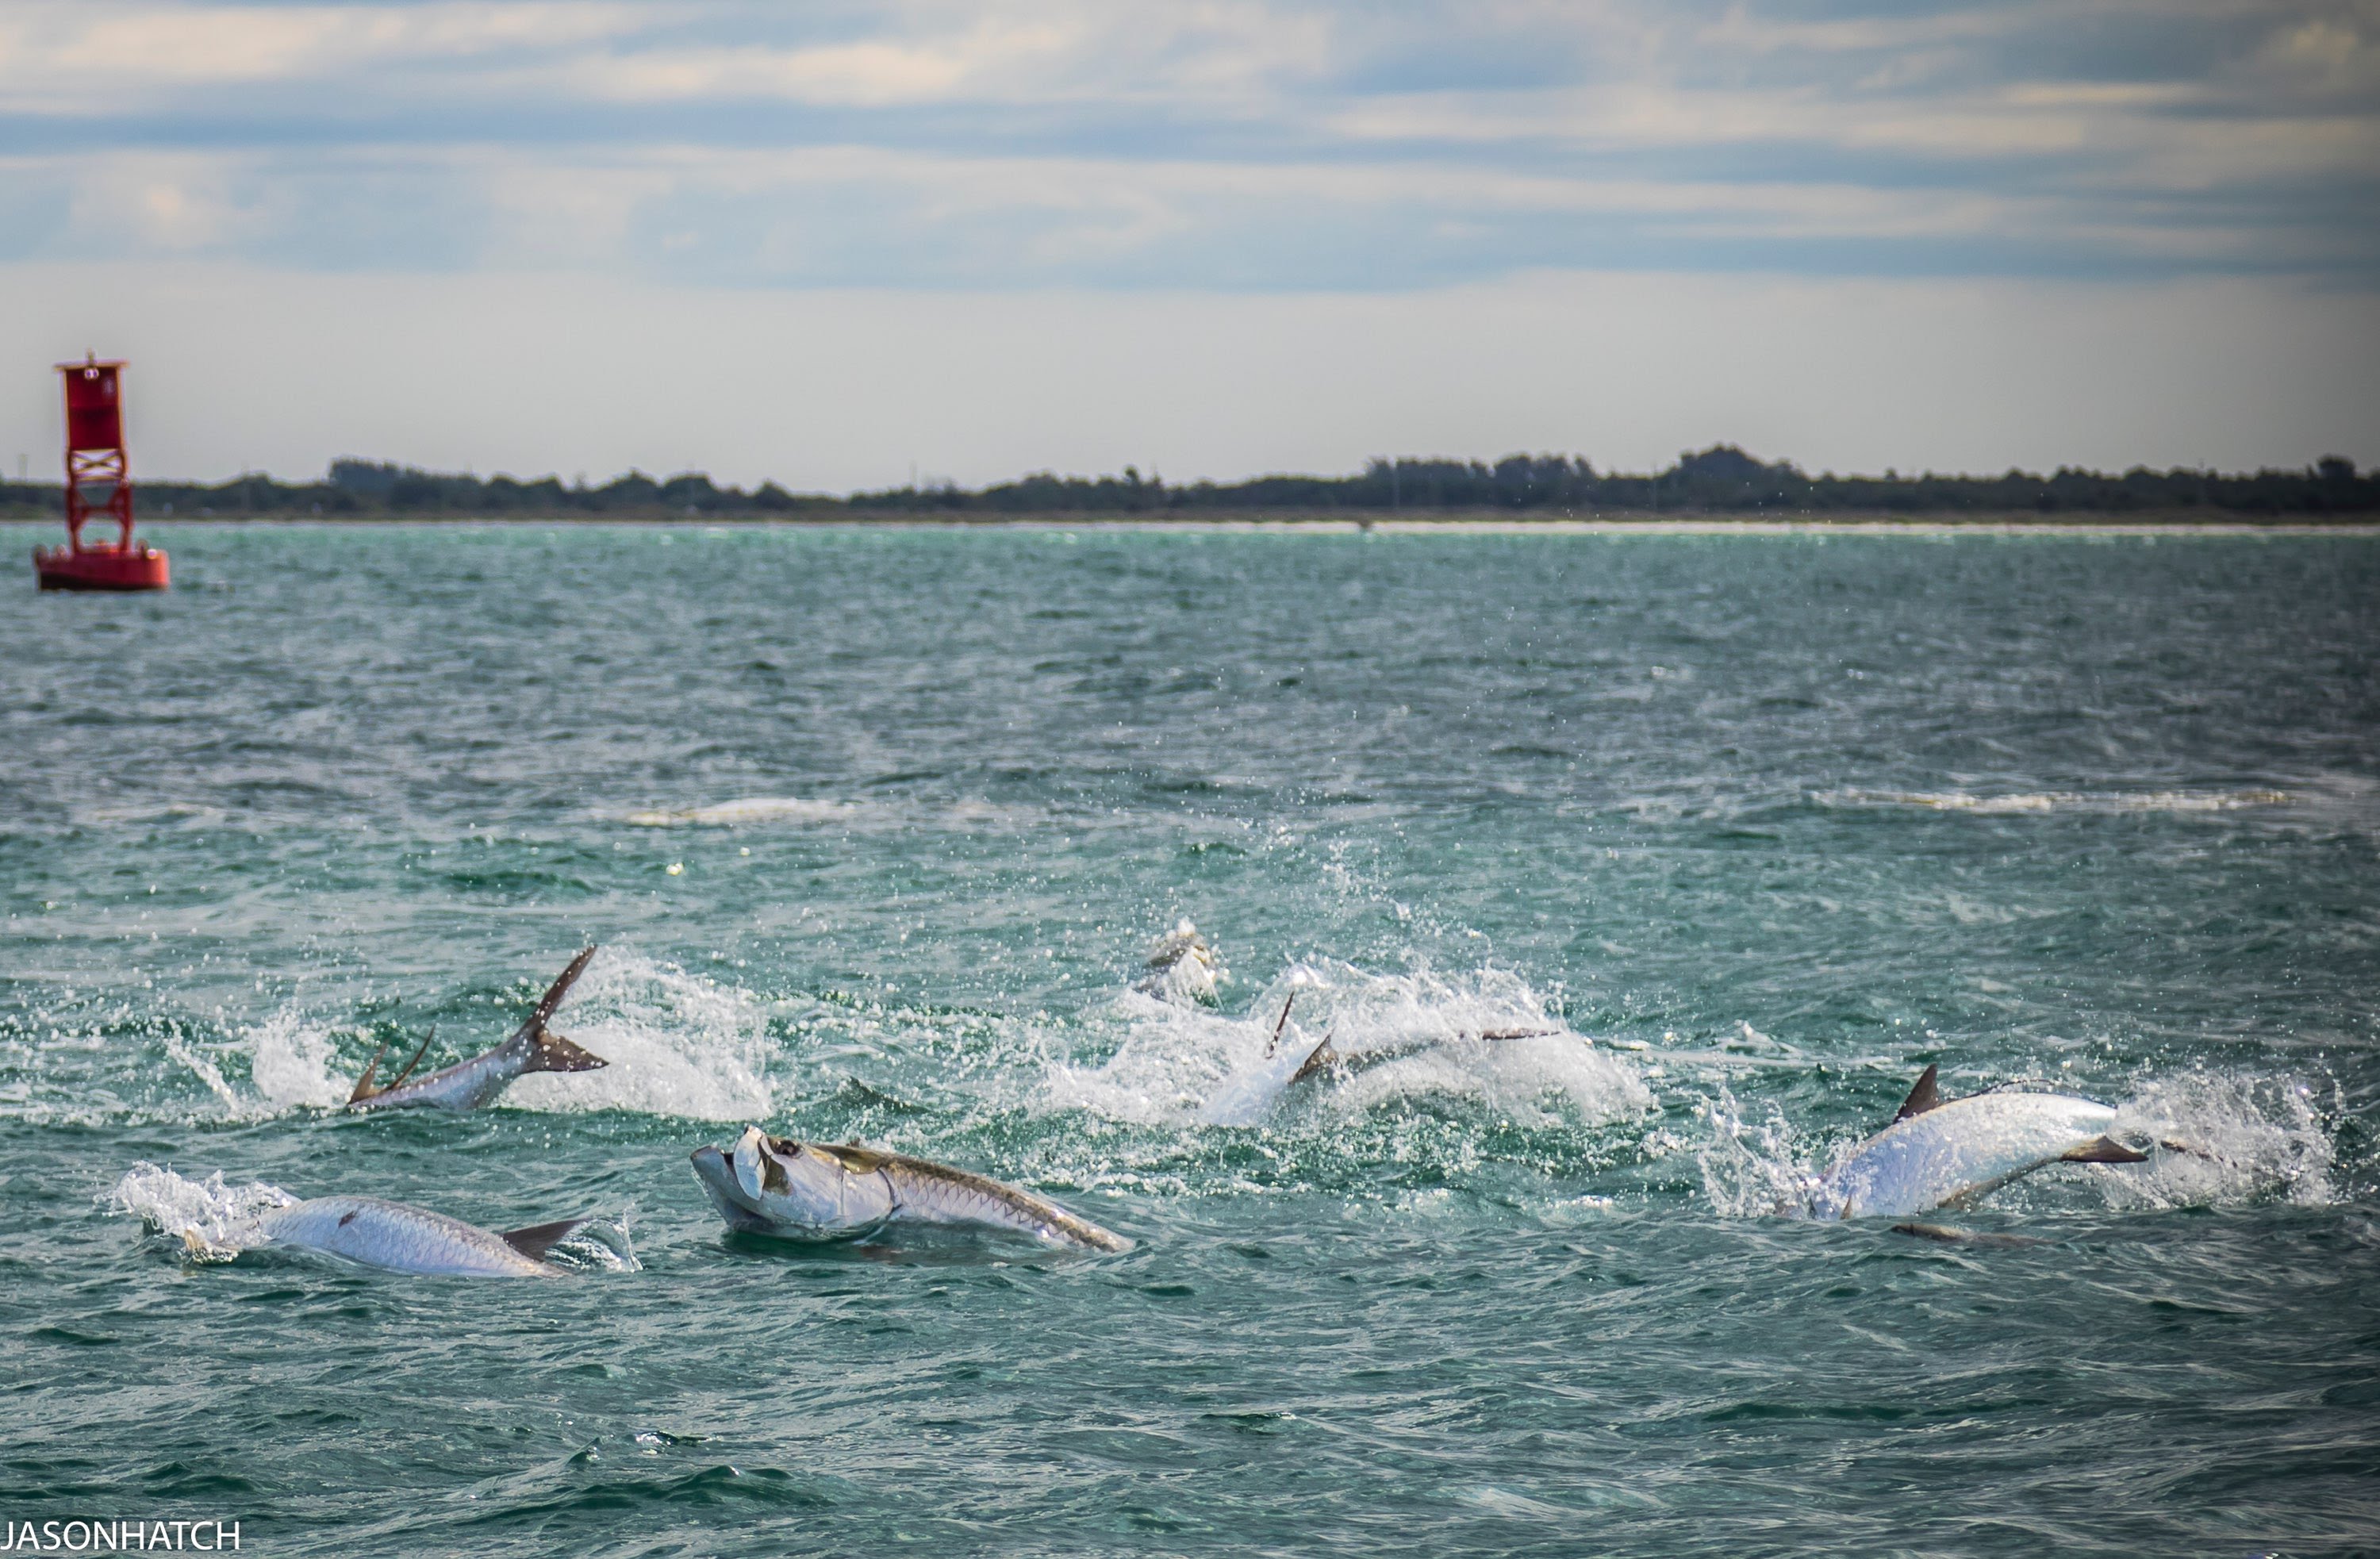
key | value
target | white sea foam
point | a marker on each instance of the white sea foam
(214, 1218)
(2058, 800)
(1391, 1035)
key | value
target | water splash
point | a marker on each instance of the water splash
(2230, 1139)
(2220, 1140)
(1754, 1169)
(1332, 1032)
(214, 1219)
(676, 1045)
(289, 1060)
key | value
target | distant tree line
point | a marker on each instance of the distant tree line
(1719, 481)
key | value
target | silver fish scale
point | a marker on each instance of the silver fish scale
(398, 1237)
(466, 1085)
(930, 1191)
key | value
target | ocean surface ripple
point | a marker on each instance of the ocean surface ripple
(1625, 882)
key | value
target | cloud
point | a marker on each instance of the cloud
(1232, 143)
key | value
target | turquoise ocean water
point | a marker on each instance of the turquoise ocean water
(874, 828)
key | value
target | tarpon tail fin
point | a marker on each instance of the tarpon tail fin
(1921, 1098)
(538, 1238)
(549, 1052)
(364, 1089)
(2106, 1150)
(548, 1002)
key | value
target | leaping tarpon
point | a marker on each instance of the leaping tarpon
(816, 1190)
(466, 1085)
(1939, 1152)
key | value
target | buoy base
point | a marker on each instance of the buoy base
(142, 568)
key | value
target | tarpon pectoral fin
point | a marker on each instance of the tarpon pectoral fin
(364, 1089)
(1921, 1098)
(1946, 1234)
(2106, 1150)
(1281, 1022)
(1942, 1232)
(1322, 1060)
(549, 1052)
(538, 1238)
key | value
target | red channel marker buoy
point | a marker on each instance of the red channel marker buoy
(95, 464)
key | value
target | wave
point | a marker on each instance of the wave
(2058, 800)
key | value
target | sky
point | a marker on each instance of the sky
(843, 245)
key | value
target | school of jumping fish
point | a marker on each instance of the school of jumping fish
(1935, 1153)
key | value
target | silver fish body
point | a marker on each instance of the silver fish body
(814, 1191)
(468, 1085)
(1946, 1154)
(403, 1238)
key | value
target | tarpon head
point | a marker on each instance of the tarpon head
(779, 1183)
(1184, 967)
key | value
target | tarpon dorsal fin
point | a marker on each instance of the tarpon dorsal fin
(855, 1158)
(1323, 1059)
(1921, 1098)
(2106, 1150)
(538, 1238)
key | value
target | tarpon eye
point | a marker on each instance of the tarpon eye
(785, 1146)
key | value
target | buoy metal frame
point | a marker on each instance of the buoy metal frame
(96, 460)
